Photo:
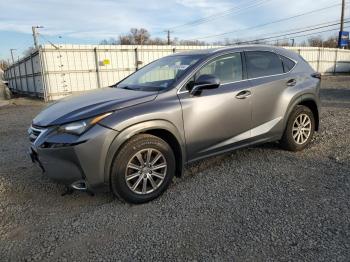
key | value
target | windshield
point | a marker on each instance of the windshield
(160, 74)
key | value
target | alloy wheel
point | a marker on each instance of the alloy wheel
(146, 171)
(301, 129)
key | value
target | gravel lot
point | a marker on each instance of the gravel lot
(257, 204)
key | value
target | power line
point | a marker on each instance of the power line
(298, 32)
(311, 27)
(234, 10)
(269, 23)
(43, 37)
(316, 33)
(204, 19)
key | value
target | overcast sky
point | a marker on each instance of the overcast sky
(90, 21)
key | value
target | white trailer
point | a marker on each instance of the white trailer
(53, 72)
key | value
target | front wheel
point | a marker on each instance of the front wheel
(143, 169)
(300, 129)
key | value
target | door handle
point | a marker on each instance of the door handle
(291, 82)
(243, 94)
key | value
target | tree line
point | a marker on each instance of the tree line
(141, 36)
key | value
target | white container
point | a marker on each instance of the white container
(52, 73)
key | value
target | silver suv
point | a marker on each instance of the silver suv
(134, 136)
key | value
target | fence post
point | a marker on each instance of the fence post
(136, 60)
(26, 75)
(335, 62)
(318, 59)
(43, 77)
(20, 75)
(32, 63)
(97, 69)
(15, 75)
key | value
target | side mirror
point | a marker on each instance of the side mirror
(204, 82)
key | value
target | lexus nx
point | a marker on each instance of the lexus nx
(133, 137)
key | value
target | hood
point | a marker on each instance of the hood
(92, 103)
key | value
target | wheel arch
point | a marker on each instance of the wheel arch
(308, 100)
(160, 128)
(312, 105)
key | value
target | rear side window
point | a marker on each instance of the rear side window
(263, 63)
(287, 64)
(227, 68)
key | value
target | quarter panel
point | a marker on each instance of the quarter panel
(272, 98)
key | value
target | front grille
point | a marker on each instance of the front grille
(34, 133)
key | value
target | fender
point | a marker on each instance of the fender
(296, 101)
(138, 128)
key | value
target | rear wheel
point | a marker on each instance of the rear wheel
(300, 129)
(143, 169)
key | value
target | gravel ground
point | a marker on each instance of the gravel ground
(255, 204)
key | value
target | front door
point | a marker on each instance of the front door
(218, 118)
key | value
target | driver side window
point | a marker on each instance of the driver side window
(227, 68)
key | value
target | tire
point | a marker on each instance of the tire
(292, 139)
(128, 171)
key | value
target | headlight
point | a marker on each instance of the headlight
(79, 127)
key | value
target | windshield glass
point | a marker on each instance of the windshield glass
(160, 74)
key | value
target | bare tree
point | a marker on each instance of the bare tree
(125, 40)
(191, 42)
(110, 41)
(135, 37)
(284, 42)
(331, 42)
(303, 43)
(315, 41)
(139, 36)
(158, 41)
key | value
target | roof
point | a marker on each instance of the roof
(210, 51)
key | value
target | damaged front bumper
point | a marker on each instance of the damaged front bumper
(75, 161)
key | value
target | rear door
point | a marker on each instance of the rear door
(269, 82)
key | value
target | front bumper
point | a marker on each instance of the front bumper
(67, 159)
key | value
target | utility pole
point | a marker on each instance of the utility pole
(168, 35)
(341, 22)
(11, 50)
(35, 35)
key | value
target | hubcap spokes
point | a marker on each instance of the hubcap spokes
(146, 171)
(301, 128)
